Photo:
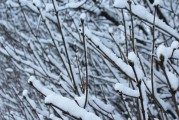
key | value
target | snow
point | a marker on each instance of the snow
(6, 96)
(75, 4)
(121, 65)
(63, 103)
(120, 3)
(49, 7)
(161, 51)
(156, 2)
(145, 99)
(173, 80)
(24, 2)
(110, 30)
(9, 69)
(139, 72)
(83, 16)
(37, 3)
(126, 90)
(31, 79)
(3, 51)
(149, 85)
(70, 106)
(133, 58)
(30, 101)
(106, 107)
(167, 52)
(175, 44)
(72, 5)
(38, 85)
(176, 54)
(105, 66)
(143, 13)
(24, 93)
(80, 100)
(53, 117)
(140, 10)
(10, 3)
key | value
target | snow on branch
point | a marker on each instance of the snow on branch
(126, 90)
(65, 104)
(38, 85)
(121, 65)
(164, 53)
(141, 12)
(70, 106)
(72, 5)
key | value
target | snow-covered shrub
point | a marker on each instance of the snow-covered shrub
(89, 59)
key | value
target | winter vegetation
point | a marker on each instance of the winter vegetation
(89, 59)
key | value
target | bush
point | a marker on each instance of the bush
(89, 59)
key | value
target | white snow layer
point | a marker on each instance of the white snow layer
(49, 7)
(133, 58)
(120, 3)
(156, 2)
(143, 13)
(83, 16)
(166, 52)
(175, 44)
(63, 103)
(106, 107)
(38, 85)
(25, 92)
(9, 70)
(126, 90)
(173, 80)
(80, 100)
(37, 3)
(110, 30)
(70, 106)
(53, 117)
(121, 65)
